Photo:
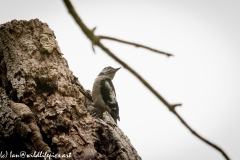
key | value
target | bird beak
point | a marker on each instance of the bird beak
(117, 69)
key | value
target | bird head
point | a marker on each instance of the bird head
(109, 72)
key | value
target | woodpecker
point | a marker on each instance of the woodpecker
(103, 93)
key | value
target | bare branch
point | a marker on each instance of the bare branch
(172, 106)
(200, 137)
(136, 45)
(96, 40)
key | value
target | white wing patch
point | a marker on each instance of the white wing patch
(112, 93)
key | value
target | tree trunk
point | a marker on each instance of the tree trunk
(43, 107)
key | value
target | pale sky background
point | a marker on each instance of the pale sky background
(203, 75)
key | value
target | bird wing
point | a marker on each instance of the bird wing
(109, 97)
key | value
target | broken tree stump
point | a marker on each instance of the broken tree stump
(43, 107)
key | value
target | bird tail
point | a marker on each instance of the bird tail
(115, 117)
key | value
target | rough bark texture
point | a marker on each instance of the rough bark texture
(43, 107)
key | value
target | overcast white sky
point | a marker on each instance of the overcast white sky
(204, 73)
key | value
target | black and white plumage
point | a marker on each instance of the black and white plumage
(104, 94)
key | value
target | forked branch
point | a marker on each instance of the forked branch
(136, 45)
(96, 41)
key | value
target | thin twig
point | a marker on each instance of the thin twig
(136, 45)
(200, 137)
(96, 41)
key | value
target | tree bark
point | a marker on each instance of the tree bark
(44, 108)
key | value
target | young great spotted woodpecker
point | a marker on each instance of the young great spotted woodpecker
(103, 93)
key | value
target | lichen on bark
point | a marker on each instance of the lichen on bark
(43, 106)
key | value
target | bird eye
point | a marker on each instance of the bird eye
(107, 67)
